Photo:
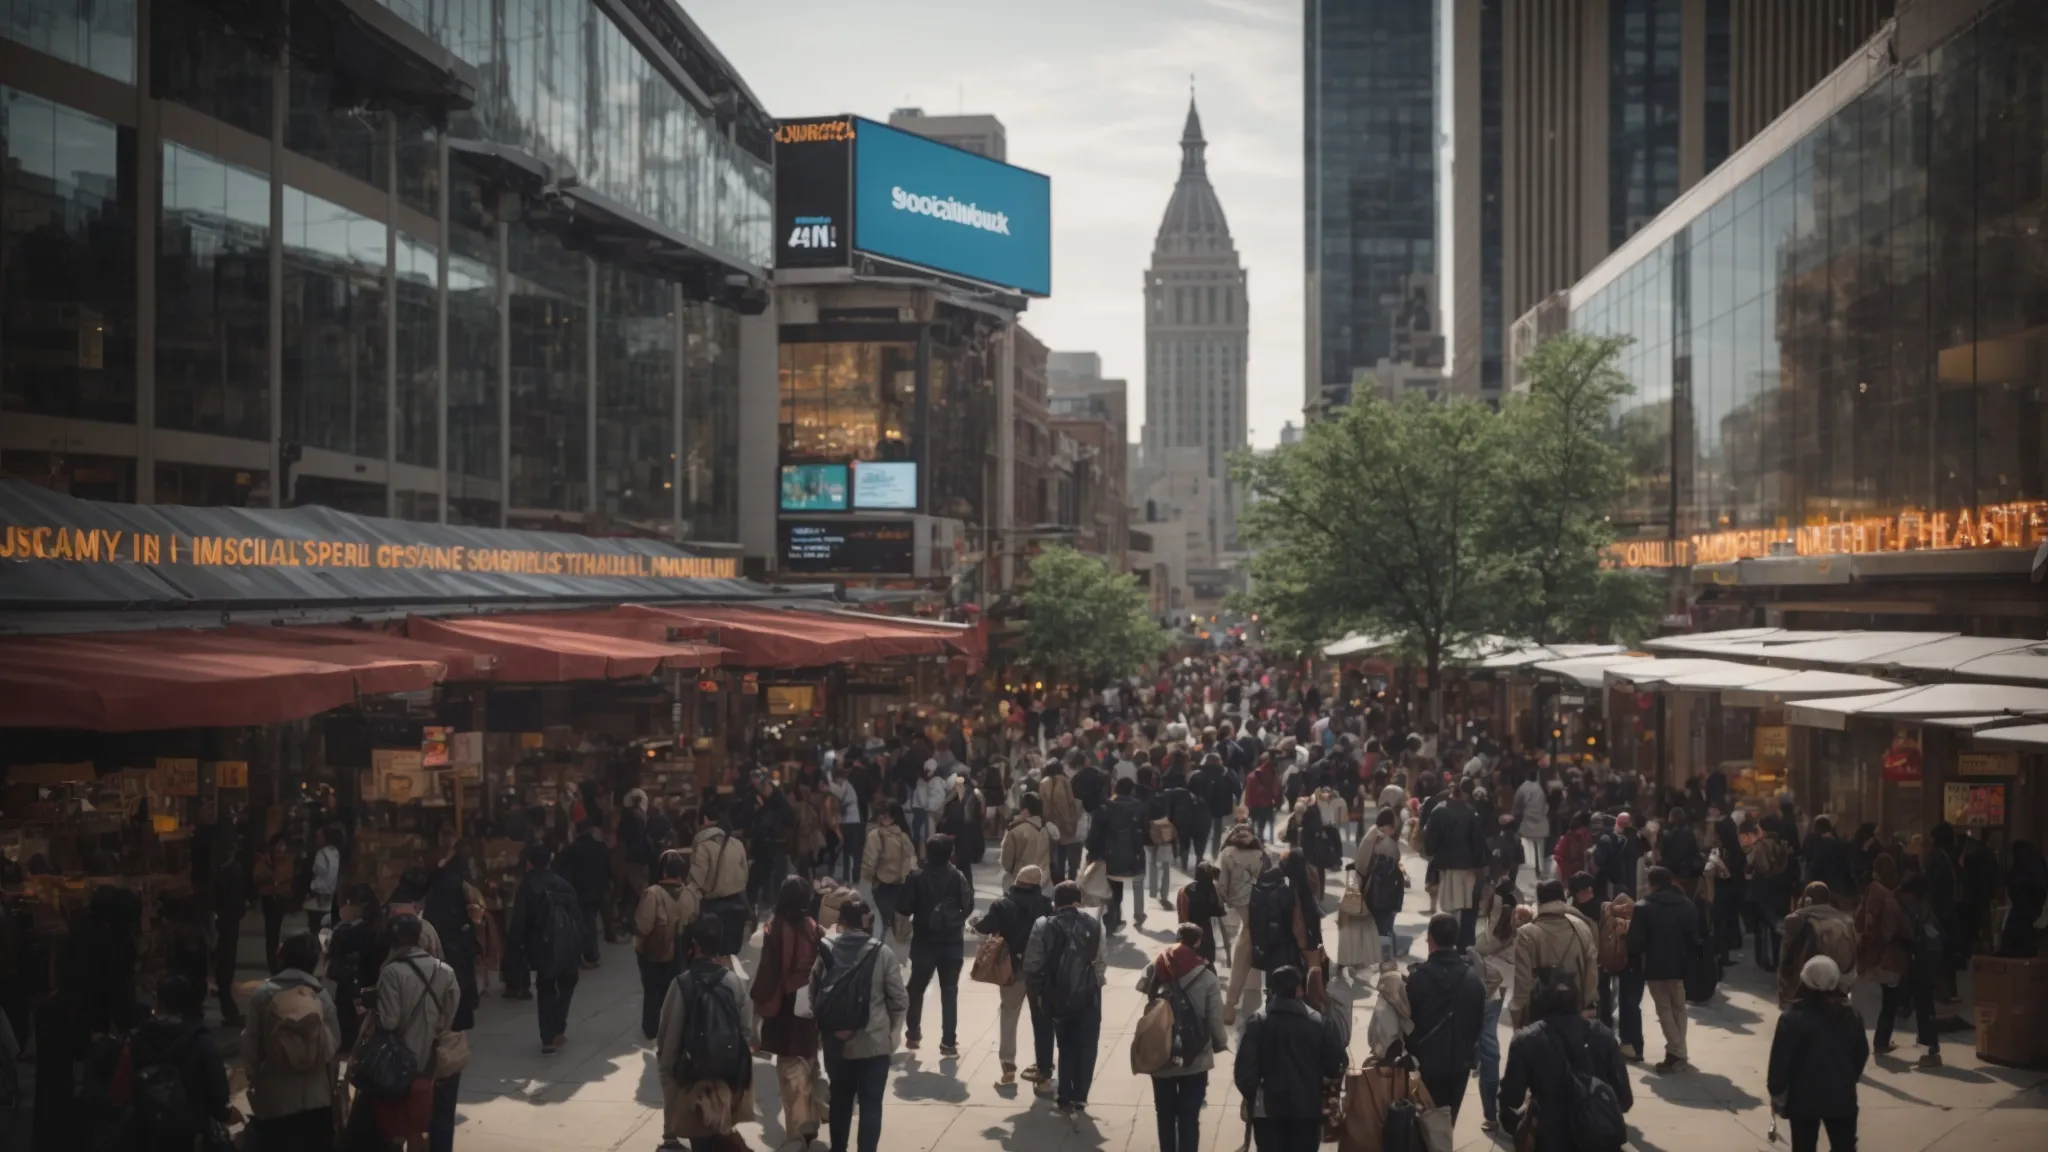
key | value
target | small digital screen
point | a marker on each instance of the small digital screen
(885, 547)
(790, 699)
(814, 487)
(885, 485)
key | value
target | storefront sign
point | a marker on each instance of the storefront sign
(1771, 741)
(2021, 524)
(813, 192)
(1902, 760)
(1978, 805)
(950, 210)
(467, 748)
(889, 485)
(177, 776)
(1988, 764)
(434, 746)
(231, 774)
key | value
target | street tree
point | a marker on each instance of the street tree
(1562, 476)
(1376, 521)
(1086, 621)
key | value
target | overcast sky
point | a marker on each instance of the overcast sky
(1092, 93)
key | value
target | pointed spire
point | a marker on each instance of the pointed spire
(1192, 146)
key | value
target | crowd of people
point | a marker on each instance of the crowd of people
(1227, 795)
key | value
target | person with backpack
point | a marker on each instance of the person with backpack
(1013, 917)
(666, 910)
(1569, 1069)
(1926, 957)
(587, 865)
(1583, 894)
(859, 1003)
(1768, 862)
(1818, 1054)
(1381, 882)
(452, 910)
(548, 925)
(1663, 935)
(178, 1083)
(1117, 837)
(718, 873)
(1494, 954)
(1447, 1004)
(1062, 811)
(1623, 971)
(1455, 842)
(1200, 902)
(1816, 928)
(1678, 850)
(789, 951)
(886, 863)
(414, 1005)
(1180, 1087)
(1238, 867)
(700, 1052)
(1286, 1054)
(1064, 965)
(1283, 923)
(1028, 842)
(290, 1053)
(1216, 790)
(1557, 940)
(940, 901)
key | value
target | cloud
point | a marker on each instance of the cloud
(1093, 93)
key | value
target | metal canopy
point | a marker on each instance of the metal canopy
(1804, 685)
(1925, 702)
(1586, 670)
(1657, 670)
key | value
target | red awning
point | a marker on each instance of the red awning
(336, 643)
(759, 637)
(529, 652)
(137, 681)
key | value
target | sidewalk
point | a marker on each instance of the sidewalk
(601, 1091)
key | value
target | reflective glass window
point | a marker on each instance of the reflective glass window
(419, 387)
(548, 318)
(213, 297)
(848, 401)
(419, 165)
(636, 399)
(198, 60)
(345, 136)
(474, 493)
(67, 262)
(711, 423)
(334, 383)
(95, 34)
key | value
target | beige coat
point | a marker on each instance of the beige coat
(1237, 870)
(1062, 810)
(1556, 938)
(418, 1012)
(1026, 844)
(889, 855)
(718, 864)
(678, 904)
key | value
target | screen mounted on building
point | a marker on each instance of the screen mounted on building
(814, 488)
(865, 547)
(889, 485)
(949, 210)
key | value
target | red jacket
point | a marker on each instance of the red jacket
(1570, 853)
(1262, 790)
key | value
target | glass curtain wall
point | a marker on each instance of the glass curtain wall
(548, 317)
(711, 423)
(334, 381)
(94, 34)
(212, 297)
(636, 399)
(1860, 327)
(845, 401)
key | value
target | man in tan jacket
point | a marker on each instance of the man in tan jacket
(666, 910)
(1027, 842)
(1557, 940)
(718, 871)
(1063, 811)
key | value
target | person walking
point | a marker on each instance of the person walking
(1180, 973)
(1116, 836)
(940, 901)
(886, 862)
(230, 904)
(1817, 1055)
(719, 870)
(789, 952)
(700, 1052)
(1262, 795)
(1062, 811)
(1816, 928)
(857, 1056)
(1064, 966)
(1532, 822)
(1557, 940)
(1380, 880)
(1284, 1057)
(1769, 863)
(1663, 935)
(325, 883)
(1827, 859)
(587, 865)
(1238, 867)
(1495, 956)
(1027, 843)
(1678, 850)
(1545, 1061)
(1455, 842)
(1584, 898)
(1012, 917)
(274, 873)
(852, 832)
(1217, 790)
(550, 925)
(1926, 956)
(666, 910)
(1447, 1004)
(175, 1043)
(416, 1000)
(290, 1053)
(927, 800)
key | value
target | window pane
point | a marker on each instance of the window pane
(197, 61)
(636, 363)
(95, 34)
(711, 423)
(334, 386)
(213, 297)
(549, 375)
(419, 391)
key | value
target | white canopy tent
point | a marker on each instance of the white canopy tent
(1801, 686)
(2025, 737)
(2029, 664)
(1522, 658)
(1948, 655)
(1358, 644)
(1853, 649)
(1926, 702)
(1586, 670)
(1736, 641)
(1660, 670)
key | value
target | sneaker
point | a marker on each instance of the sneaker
(910, 1042)
(1930, 1060)
(1046, 1088)
(1628, 1052)
(949, 1049)
(548, 1049)
(1009, 1076)
(1489, 1126)
(1033, 1074)
(1669, 1065)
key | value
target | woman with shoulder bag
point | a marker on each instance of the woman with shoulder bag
(789, 948)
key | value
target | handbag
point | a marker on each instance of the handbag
(1162, 831)
(451, 1053)
(1095, 884)
(1352, 903)
(993, 962)
(1369, 1092)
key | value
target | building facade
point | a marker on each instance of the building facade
(1838, 346)
(1575, 122)
(980, 134)
(1370, 163)
(1197, 325)
(445, 260)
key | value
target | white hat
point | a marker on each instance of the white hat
(1821, 974)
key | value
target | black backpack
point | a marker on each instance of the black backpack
(1929, 954)
(1190, 1031)
(1401, 1131)
(1069, 987)
(839, 993)
(714, 1045)
(1384, 890)
(1272, 922)
(1592, 1112)
(163, 1106)
(945, 904)
(562, 930)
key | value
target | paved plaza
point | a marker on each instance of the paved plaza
(601, 1092)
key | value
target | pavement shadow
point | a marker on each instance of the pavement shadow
(2033, 1098)
(913, 1081)
(1037, 1130)
(1696, 1089)
(1122, 953)
(1959, 1075)
(1900, 1094)
(767, 1103)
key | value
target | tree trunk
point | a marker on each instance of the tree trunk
(1436, 693)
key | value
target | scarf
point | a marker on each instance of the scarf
(1176, 962)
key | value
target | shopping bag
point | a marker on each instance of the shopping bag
(1152, 1040)
(1369, 1091)
(1352, 903)
(992, 962)
(1095, 884)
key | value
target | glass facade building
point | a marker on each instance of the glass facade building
(1840, 342)
(236, 247)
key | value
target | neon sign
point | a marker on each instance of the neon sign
(2020, 524)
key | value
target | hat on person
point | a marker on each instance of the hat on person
(1030, 876)
(1821, 974)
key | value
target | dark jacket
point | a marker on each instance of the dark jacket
(1827, 862)
(1817, 1056)
(1117, 837)
(1453, 837)
(1614, 866)
(1012, 917)
(587, 865)
(189, 1045)
(1445, 1001)
(1680, 850)
(1664, 934)
(1216, 788)
(527, 927)
(924, 890)
(1285, 1054)
(633, 837)
(1536, 1069)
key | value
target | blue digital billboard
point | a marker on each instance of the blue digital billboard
(949, 210)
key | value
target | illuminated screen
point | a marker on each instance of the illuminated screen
(814, 487)
(884, 485)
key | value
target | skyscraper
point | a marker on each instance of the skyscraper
(1370, 157)
(1196, 323)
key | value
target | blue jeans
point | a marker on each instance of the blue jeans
(1178, 1101)
(853, 840)
(1077, 1037)
(920, 826)
(886, 896)
(861, 1082)
(1488, 1053)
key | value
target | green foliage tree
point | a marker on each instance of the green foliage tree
(1086, 621)
(1376, 521)
(1562, 476)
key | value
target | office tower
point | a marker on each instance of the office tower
(980, 134)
